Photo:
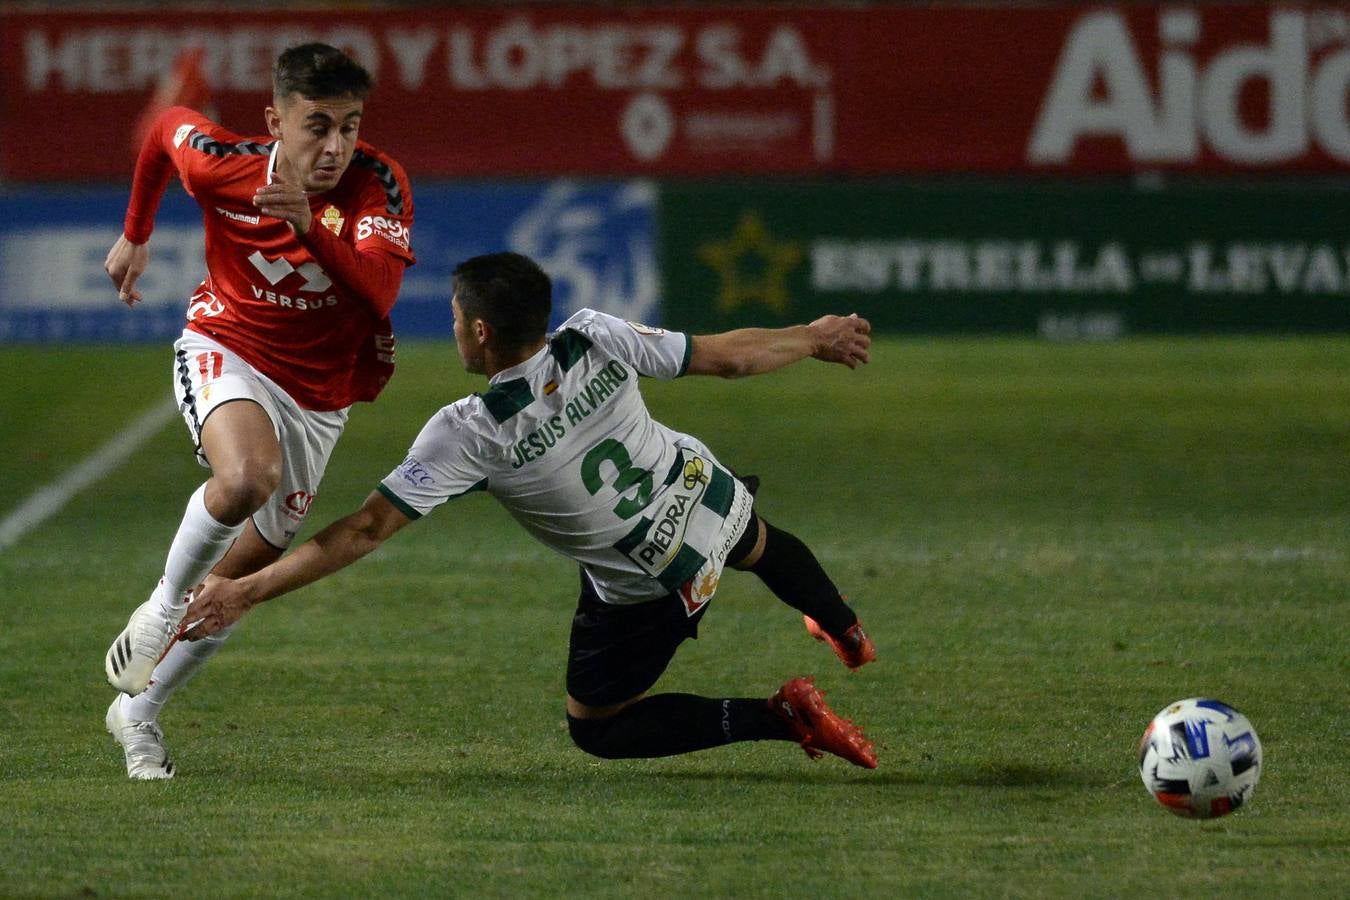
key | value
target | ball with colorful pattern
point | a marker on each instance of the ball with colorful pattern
(1200, 758)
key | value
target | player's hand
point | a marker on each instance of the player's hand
(284, 198)
(216, 603)
(124, 264)
(842, 339)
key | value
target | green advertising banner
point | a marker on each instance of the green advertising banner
(1070, 260)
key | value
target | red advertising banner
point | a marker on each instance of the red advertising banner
(701, 90)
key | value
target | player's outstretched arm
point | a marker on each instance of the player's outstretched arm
(752, 351)
(221, 601)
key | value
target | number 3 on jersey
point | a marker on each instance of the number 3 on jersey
(627, 475)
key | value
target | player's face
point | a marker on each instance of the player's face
(318, 137)
(469, 351)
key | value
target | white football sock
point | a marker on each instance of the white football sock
(178, 666)
(200, 543)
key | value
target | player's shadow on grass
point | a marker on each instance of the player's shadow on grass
(997, 775)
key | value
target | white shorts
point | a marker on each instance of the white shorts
(207, 376)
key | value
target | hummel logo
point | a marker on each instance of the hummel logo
(239, 217)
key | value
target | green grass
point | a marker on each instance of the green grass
(1049, 543)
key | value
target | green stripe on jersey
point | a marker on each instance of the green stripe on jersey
(508, 398)
(568, 347)
(688, 355)
(721, 491)
(480, 486)
(633, 539)
(683, 567)
(398, 502)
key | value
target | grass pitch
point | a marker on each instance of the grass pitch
(1049, 543)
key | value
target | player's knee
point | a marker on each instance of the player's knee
(241, 490)
(589, 735)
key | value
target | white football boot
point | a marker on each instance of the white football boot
(149, 634)
(142, 742)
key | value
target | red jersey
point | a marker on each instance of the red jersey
(310, 312)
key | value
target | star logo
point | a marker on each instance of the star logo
(753, 267)
(332, 219)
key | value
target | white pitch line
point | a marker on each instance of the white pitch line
(48, 500)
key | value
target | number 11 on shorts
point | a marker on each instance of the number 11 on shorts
(210, 364)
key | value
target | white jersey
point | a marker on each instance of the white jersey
(565, 442)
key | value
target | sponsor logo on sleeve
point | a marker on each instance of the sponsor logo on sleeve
(647, 330)
(392, 230)
(412, 471)
(181, 134)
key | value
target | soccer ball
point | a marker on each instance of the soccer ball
(1200, 758)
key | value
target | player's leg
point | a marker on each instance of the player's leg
(307, 440)
(230, 415)
(789, 569)
(616, 655)
(238, 437)
(184, 659)
(239, 441)
(134, 721)
(673, 724)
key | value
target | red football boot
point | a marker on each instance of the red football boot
(802, 706)
(855, 648)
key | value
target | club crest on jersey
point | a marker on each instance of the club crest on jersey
(332, 219)
(697, 591)
(204, 305)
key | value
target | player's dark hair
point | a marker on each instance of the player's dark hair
(318, 72)
(509, 292)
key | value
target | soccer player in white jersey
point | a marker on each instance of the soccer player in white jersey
(563, 440)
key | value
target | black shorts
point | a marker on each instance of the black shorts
(618, 652)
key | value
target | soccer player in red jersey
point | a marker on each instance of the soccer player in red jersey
(307, 236)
